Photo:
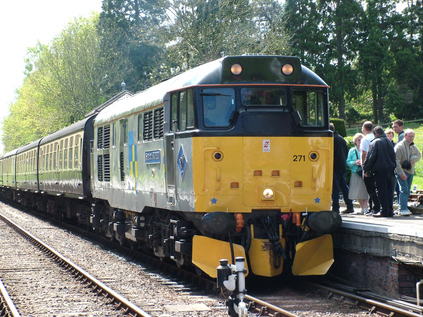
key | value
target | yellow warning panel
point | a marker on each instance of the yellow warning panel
(313, 257)
(206, 253)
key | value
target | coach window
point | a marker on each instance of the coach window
(310, 108)
(61, 155)
(65, 155)
(218, 106)
(50, 157)
(76, 151)
(71, 152)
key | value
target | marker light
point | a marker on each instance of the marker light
(268, 194)
(236, 69)
(287, 69)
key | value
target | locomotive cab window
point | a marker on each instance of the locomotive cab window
(182, 113)
(218, 106)
(309, 106)
(264, 96)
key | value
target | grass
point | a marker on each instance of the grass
(418, 140)
(418, 129)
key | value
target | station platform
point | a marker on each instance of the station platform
(381, 254)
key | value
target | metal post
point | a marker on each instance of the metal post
(418, 291)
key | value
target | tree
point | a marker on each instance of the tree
(305, 27)
(63, 82)
(405, 91)
(129, 42)
(375, 58)
(340, 24)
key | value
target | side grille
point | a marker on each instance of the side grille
(122, 166)
(100, 168)
(158, 123)
(106, 137)
(100, 138)
(106, 167)
(148, 126)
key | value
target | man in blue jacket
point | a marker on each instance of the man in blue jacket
(380, 162)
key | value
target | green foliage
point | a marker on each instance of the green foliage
(63, 82)
(129, 32)
(194, 36)
(339, 126)
(368, 52)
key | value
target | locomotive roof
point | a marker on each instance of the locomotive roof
(215, 72)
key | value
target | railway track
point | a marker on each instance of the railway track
(372, 302)
(193, 285)
(111, 297)
(160, 288)
(7, 307)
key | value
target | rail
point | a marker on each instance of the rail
(397, 308)
(100, 288)
(7, 307)
(267, 309)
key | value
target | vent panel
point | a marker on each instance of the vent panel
(158, 123)
(148, 126)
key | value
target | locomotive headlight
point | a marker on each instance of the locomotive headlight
(236, 69)
(268, 194)
(287, 69)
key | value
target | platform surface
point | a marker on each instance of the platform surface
(402, 225)
(398, 237)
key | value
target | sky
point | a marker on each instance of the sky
(24, 23)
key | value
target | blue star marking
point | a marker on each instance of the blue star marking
(213, 201)
(317, 200)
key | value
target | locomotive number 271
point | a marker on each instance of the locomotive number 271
(298, 158)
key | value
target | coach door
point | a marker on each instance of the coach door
(170, 168)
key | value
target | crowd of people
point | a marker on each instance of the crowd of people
(380, 169)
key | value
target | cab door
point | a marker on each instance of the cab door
(170, 151)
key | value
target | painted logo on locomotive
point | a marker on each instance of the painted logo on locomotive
(181, 161)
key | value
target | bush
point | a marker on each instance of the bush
(339, 126)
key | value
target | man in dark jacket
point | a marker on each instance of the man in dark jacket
(380, 162)
(340, 150)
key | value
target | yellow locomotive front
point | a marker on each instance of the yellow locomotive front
(262, 169)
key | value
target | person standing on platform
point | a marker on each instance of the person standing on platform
(407, 154)
(357, 190)
(369, 179)
(340, 150)
(390, 135)
(380, 161)
(398, 126)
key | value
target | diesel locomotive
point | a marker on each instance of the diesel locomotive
(231, 158)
